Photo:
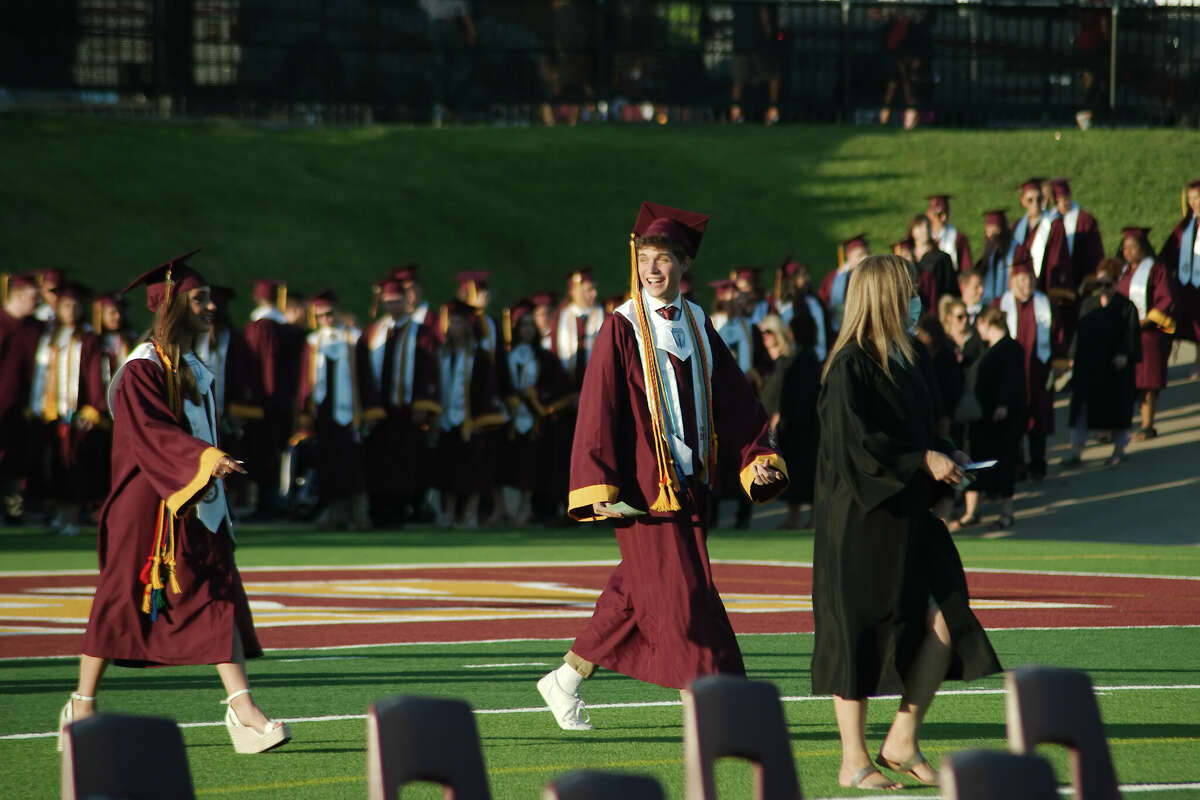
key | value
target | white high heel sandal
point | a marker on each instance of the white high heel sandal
(67, 716)
(245, 738)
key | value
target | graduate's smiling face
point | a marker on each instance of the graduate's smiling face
(660, 272)
(201, 309)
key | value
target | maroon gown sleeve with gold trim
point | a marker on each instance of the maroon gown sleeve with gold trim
(155, 458)
(741, 422)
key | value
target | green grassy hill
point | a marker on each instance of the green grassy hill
(337, 206)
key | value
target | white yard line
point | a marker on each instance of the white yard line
(646, 704)
(595, 563)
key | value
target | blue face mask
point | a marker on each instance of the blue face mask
(914, 313)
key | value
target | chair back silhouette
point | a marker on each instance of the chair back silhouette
(996, 775)
(723, 716)
(424, 739)
(119, 755)
(1057, 706)
(587, 784)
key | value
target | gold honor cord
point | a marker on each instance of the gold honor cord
(163, 552)
(668, 479)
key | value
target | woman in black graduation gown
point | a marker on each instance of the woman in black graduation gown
(998, 381)
(1107, 346)
(889, 593)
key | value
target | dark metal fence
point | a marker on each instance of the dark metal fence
(971, 63)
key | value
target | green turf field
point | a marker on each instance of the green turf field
(1154, 730)
(337, 206)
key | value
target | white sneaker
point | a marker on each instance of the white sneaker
(567, 708)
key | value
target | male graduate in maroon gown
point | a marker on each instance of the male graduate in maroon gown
(948, 239)
(1082, 232)
(1041, 230)
(1029, 317)
(275, 347)
(403, 358)
(661, 389)
(1180, 256)
(19, 333)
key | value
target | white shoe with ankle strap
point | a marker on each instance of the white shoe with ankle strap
(67, 716)
(245, 738)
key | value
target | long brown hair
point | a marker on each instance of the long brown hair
(174, 335)
(876, 310)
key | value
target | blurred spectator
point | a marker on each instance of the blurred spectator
(569, 68)
(1107, 346)
(797, 430)
(453, 38)
(1092, 54)
(908, 48)
(756, 43)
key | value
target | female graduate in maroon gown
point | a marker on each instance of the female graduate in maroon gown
(169, 592)
(661, 389)
(1152, 291)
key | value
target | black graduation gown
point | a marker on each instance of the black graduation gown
(879, 554)
(799, 432)
(1103, 333)
(998, 379)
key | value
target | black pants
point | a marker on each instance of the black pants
(1037, 454)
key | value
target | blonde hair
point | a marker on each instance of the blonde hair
(773, 323)
(876, 315)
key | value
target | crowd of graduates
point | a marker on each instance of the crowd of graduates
(428, 413)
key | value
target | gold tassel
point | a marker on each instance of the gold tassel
(668, 482)
(4, 280)
(170, 558)
(506, 326)
(281, 297)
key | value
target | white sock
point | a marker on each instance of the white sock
(568, 678)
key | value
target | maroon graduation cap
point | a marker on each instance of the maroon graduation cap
(1032, 183)
(723, 287)
(269, 290)
(1022, 260)
(581, 275)
(683, 228)
(548, 297)
(1061, 187)
(167, 280)
(939, 203)
(748, 275)
(997, 216)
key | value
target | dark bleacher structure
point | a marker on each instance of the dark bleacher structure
(632, 61)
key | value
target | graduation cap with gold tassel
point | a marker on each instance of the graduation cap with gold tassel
(680, 230)
(163, 283)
